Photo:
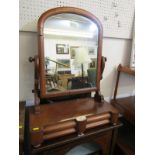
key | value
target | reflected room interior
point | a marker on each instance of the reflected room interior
(70, 51)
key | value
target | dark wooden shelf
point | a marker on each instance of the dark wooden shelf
(126, 106)
(126, 139)
(125, 148)
(126, 69)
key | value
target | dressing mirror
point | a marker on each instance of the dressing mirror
(69, 65)
(70, 41)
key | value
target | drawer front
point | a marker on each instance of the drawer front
(68, 127)
(103, 140)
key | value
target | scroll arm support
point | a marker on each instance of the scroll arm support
(103, 61)
(98, 96)
(35, 59)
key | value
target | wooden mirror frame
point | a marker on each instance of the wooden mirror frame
(41, 22)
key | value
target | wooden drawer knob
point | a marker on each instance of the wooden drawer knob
(81, 124)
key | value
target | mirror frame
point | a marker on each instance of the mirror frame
(41, 21)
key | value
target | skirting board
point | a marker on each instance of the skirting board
(108, 98)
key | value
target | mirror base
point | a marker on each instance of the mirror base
(99, 97)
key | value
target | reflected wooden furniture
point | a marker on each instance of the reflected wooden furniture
(78, 82)
(64, 78)
(126, 106)
(21, 127)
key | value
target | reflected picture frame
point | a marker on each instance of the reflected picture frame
(62, 49)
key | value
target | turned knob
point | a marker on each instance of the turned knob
(31, 59)
(81, 125)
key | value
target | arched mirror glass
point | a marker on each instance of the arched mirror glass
(70, 52)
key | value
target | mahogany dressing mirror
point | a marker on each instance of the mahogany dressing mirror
(70, 44)
(70, 63)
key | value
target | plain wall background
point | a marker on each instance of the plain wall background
(116, 50)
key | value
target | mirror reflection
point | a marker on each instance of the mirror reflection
(70, 49)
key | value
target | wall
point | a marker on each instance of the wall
(116, 50)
